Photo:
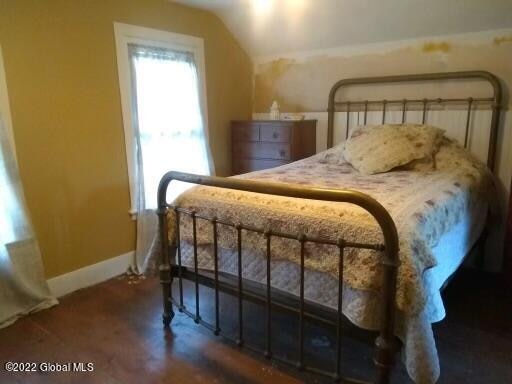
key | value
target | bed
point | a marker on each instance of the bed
(296, 236)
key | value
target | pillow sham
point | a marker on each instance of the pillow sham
(420, 165)
(424, 137)
(380, 148)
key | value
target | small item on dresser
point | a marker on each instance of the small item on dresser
(274, 111)
(293, 116)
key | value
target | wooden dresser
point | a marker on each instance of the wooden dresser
(261, 144)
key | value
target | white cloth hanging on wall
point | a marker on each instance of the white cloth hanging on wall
(23, 288)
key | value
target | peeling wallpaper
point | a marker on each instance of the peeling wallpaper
(301, 83)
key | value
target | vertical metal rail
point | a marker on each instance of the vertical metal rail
(165, 266)
(341, 246)
(196, 282)
(404, 109)
(384, 104)
(468, 119)
(216, 330)
(424, 117)
(300, 363)
(365, 110)
(385, 344)
(178, 249)
(495, 121)
(240, 340)
(268, 335)
(348, 120)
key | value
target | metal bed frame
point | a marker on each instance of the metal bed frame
(386, 344)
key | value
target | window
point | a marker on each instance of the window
(163, 99)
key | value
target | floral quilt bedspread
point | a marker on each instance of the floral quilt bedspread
(424, 203)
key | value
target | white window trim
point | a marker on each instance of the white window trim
(131, 34)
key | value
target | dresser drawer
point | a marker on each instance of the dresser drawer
(275, 133)
(261, 144)
(245, 132)
(259, 150)
(250, 165)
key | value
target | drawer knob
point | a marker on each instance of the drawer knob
(275, 135)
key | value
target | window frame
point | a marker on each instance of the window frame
(126, 34)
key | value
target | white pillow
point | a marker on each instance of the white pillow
(424, 137)
(380, 148)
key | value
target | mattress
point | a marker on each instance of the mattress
(322, 288)
(439, 214)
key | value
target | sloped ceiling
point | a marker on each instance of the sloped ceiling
(269, 27)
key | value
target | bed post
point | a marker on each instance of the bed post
(165, 267)
(385, 344)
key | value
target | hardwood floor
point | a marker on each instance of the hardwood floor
(116, 325)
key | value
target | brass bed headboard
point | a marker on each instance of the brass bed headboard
(424, 103)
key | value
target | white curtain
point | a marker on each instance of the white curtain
(170, 133)
(23, 288)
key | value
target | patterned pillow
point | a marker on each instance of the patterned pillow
(424, 137)
(380, 148)
(420, 165)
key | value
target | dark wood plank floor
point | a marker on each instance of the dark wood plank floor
(116, 325)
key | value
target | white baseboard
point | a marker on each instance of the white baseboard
(90, 275)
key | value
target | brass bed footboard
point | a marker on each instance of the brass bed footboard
(171, 267)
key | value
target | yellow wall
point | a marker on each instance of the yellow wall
(63, 87)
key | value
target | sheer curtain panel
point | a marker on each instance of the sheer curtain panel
(23, 288)
(170, 133)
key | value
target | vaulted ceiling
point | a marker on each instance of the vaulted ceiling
(269, 27)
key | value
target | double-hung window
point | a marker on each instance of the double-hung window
(163, 98)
